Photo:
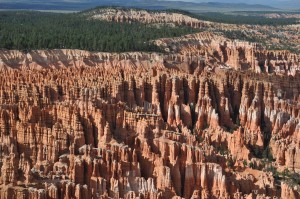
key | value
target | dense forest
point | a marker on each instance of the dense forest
(26, 30)
(29, 30)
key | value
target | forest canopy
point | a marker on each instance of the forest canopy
(28, 30)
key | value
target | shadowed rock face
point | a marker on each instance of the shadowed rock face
(75, 124)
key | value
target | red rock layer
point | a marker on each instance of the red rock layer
(75, 124)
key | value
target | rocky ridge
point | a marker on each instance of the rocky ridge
(273, 37)
(143, 16)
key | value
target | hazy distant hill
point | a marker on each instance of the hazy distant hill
(149, 4)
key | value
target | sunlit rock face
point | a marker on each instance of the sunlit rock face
(146, 17)
(76, 124)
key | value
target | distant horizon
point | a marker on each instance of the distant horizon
(273, 3)
(221, 5)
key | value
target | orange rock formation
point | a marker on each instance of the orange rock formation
(76, 124)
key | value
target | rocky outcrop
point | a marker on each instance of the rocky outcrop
(143, 16)
(218, 51)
